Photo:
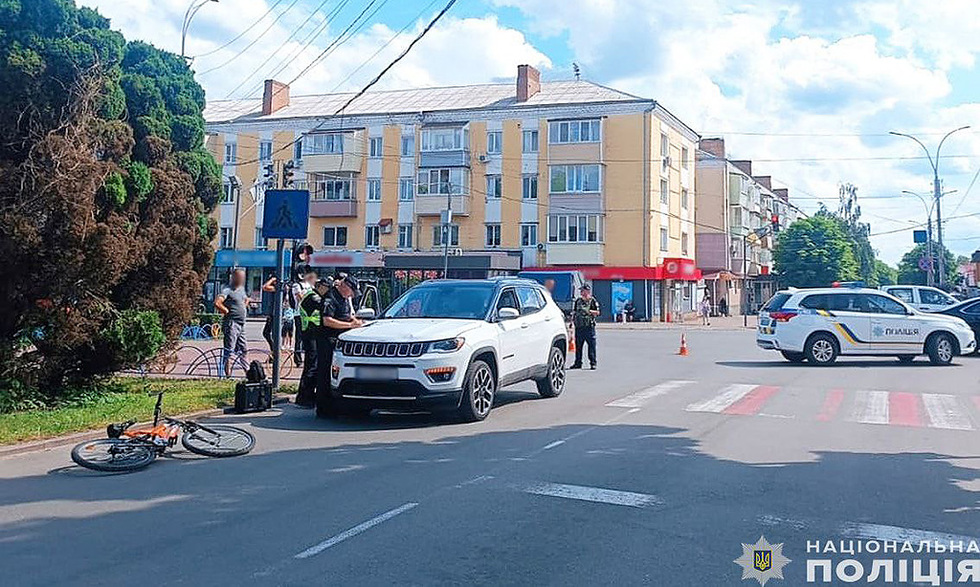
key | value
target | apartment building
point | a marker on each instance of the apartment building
(733, 203)
(565, 174)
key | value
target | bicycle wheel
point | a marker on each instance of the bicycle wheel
(285, 364)
(218, 440)
(113, 455)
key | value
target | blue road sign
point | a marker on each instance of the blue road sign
(919, 236)
(287, 214)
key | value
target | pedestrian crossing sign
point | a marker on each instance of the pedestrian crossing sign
(286, 214)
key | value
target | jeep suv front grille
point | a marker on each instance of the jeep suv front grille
(383, 349)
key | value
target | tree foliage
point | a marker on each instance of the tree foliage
(105, 190)
(910, 273)
(885, 274)
(815, 252)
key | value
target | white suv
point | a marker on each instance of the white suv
(450, 345)
(817, 325)
(921, 297)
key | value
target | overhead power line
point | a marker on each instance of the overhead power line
(254, 41)
(241, 34)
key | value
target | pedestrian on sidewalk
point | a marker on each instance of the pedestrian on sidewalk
(269, 286)
(232, 303)
(584, 315)
(723, 307)
(705, 310)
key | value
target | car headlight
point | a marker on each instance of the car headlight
(449, 345)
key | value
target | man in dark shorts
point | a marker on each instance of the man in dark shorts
(232, 303)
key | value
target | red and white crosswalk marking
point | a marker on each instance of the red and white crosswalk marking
(945, 411)
(739, 399)
(642, 397)
(903, 409)
(871, 407)
(831, 405)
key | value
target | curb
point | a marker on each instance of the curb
(76, 437)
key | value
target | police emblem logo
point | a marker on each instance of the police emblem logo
(762, 561)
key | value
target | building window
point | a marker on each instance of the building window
(664, 192)
(529, 187)
(494, 187)
(529, 235)
(664, 152)
(326, 187)
(335, 236)
(265, 151)
(225, 236)
(406, 189)
(684, 199)
(494, 142)
(372, 236)
(444, 138)
(227, 193)
(405, 236)
(664, 239)
(439, 229)
(443, 181)
(408, 145)
(574, 131)
(684, 243)
(375, 147)
(323, 144)
(530, 141)
(493, 235)
(259, 240)
(298, 152)
(231, 153)
(575, 229)
(684, 156)
(374, 190)
(575, 179)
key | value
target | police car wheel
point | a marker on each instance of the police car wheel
(793, 357)
(941, 349)
(821, 349)
(906, 359)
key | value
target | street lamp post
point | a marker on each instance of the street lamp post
(188, 17)
(928, 209)
(937, 193)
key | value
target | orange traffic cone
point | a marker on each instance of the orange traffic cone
(683, 351)
(571, 340)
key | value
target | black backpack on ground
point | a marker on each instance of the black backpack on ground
(255, 373)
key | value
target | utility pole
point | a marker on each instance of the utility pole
(937, 194)
(188, 17)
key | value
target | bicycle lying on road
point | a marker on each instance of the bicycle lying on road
(129, 449)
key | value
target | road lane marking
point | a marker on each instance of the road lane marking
(554, 444)
(866, 531)
(944, 412)
(723, 400)
(640, 398)
(903, 409)
(753, 402)
(351, 532)
(831, 405)
(871, 407)
(593, 494)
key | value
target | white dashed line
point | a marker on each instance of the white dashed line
(350, 533)
(554, 444)
(593, 494)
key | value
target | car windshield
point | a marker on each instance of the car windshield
(444, 300)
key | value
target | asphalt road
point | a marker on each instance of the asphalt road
(652, 470)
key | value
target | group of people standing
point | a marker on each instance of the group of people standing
(316, 311)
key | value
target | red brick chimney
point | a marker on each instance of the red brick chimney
(765, 181)
(744, 166)
(714, 146)
(782, 194)
(528, 82)
(275, 96)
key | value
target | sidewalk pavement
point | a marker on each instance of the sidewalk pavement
(717, 323)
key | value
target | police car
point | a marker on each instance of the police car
(818, 325)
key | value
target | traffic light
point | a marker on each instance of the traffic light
(300, 264)
(268, 175)
(775, 223)
(287, 174)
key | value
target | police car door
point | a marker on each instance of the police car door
(851, 321)
(893, 329)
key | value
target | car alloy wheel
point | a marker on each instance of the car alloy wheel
(483, 391)
(823, 350)
(557, 372)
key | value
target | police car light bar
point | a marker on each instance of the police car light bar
(850, 284)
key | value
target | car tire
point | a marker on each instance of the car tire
(906, 359)
(821, 349)
(941, 349)
(479, 391)
(553, 383)
(793, 357)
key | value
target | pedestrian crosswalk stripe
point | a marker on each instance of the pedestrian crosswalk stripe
(903, 409)
(831, 405)
(723, 400)
(944, 412)
(753, 402)
(640, 398)
(871, 407)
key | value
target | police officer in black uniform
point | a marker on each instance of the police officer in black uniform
(311, 328)
(337, 316)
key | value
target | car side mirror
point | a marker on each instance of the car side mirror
(365, 314)
(507, 314)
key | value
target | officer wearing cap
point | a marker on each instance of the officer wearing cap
(311, 328)
(337, 316)
(584, 314)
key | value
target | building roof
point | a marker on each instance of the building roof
(489, 96)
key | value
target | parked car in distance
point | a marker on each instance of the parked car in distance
(968, 311)
(921, 297)
(568, 284)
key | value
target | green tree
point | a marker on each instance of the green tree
(885, 274)
(105, 192)
(814, 252)
(910, 273)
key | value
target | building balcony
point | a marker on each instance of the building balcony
(451, 158)
(434, 204)
(570, 153)
(333, 163)
(575, 203)
(333, 208)
(574, 253)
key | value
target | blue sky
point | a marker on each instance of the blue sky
(808, 89)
